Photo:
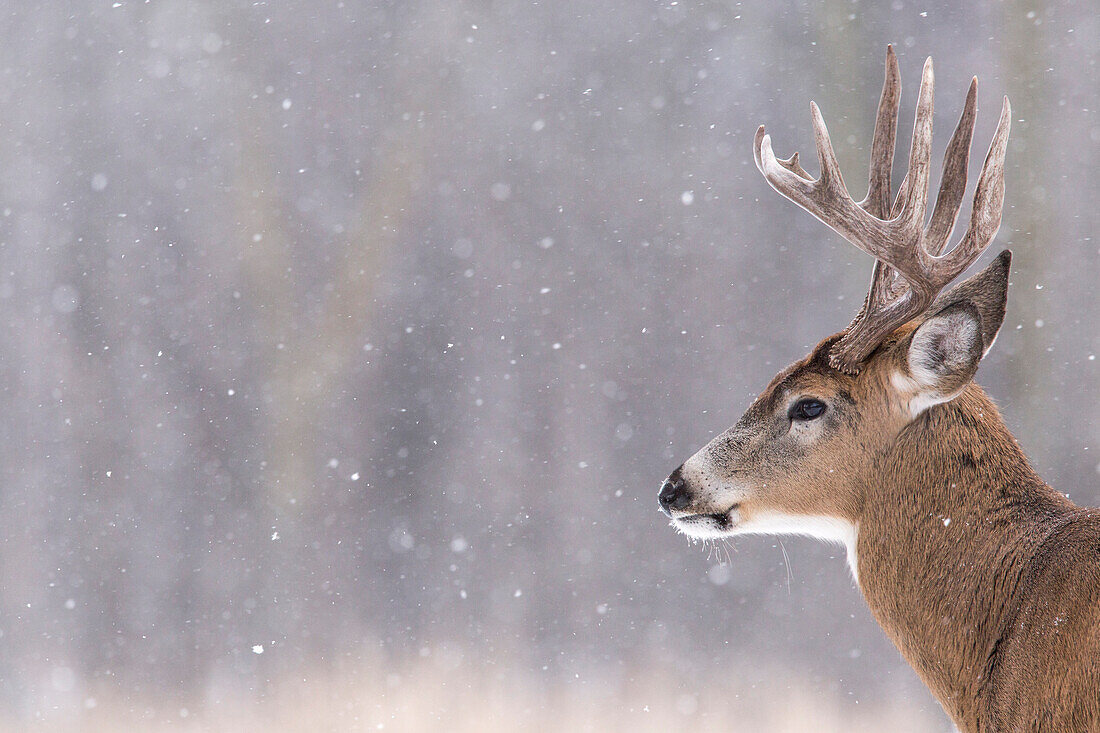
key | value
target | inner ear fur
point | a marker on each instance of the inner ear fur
(945, 349)
(987, 292)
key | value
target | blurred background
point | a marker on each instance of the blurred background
(346, 345)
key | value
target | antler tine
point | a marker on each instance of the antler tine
(792, 165)
(885, 284)
(831, 177)
(920, 151)
(989, 197)
(883, 141)
(953, 178)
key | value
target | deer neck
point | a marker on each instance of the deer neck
(952, 513)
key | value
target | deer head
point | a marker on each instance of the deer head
(800, 458)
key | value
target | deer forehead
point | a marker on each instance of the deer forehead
(804, 384)
(813, 376)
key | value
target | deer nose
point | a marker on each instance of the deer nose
(674, 493)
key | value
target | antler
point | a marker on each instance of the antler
(911, 268)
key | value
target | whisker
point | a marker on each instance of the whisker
(787, 562)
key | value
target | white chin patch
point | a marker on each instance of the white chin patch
(829, 529)
(708, 526)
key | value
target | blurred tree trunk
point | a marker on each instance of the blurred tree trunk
(309, 353)
(1035, 233)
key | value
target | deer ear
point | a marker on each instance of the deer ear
(944, 352)
(987, 292)
(956, 333)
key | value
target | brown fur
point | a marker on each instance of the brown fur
(999, 609)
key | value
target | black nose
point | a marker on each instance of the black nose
(674, 493)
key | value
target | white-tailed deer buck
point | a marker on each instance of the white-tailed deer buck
(986, 579)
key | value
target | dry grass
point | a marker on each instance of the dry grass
(428, 698)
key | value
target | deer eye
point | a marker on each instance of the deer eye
(806, 409)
